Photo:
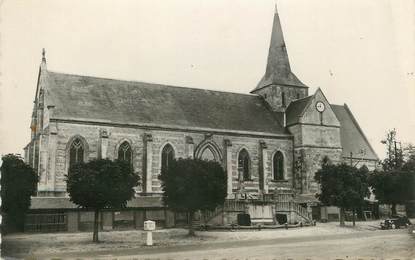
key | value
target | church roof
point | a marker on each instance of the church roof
(278, 69)
(295, 109)
(353, 140)
(94, 99)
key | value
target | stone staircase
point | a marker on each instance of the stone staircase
(283, 203)
(290, 206)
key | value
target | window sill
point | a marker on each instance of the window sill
(279, 181)
(250, 180)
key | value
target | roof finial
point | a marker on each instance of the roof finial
(43, 55)
(276, 8)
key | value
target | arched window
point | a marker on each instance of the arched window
(283, 99)
(244, 165)
(207, 154)
(125, 152)
(76, 152)
(278, 166)
(167, 155)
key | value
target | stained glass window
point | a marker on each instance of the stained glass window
(124, 152)
(167, 155)
(278, 163)
(244, 165)
(76, 153)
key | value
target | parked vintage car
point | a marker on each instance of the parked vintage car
(395, 222)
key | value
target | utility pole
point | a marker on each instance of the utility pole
(397, 154)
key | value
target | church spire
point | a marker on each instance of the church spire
(43, 63)
(278, 70)
(43, 55)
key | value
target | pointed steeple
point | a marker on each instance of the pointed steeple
(278, 69)
(43, 63)
(43, 55)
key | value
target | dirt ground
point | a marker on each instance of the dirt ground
(49, 244)
(391, 244)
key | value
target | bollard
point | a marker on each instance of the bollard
(149, 226)
(149, 238)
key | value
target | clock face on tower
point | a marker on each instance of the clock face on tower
(320, 106)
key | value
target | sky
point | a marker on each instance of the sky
(359, 52)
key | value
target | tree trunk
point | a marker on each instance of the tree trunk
(393, 208)
(191, 230)
(342, 217)
(96, 223)
(354, 218)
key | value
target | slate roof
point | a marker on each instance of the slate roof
(278, 70)
(352, 137)
(295, 109)
(126, 102)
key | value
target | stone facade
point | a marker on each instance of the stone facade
(147, 145)
(280, 96)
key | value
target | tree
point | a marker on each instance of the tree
(395, 186)
(409, 152)
(101, 184)
(18, 183)
(193, 184)
(395, 158)
(343, 186)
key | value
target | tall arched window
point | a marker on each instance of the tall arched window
(76, 152)
(283, 99)
(207, 154)
(244, 165)
(125, 152)
(167, 155)
(278, 166)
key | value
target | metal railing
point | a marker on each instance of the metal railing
(289, 206)
(46, 222)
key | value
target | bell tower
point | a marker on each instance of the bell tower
(279, 86)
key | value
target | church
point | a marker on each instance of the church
(270, 141)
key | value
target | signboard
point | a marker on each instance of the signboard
(149, 225)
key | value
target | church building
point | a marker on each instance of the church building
(270, 141)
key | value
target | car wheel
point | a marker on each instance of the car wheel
(393, 226)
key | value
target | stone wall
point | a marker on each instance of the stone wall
(316, 135)
(311, 159)
(147, 145)
(273, 95)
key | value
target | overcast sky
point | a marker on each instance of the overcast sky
(359, 52)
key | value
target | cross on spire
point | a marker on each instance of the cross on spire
(43, 55)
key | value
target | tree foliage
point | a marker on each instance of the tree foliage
(193, 184)
(343, 186)
(395, 186)
(100, 184)
(18, 183)
(409, 152)
(394, 152)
